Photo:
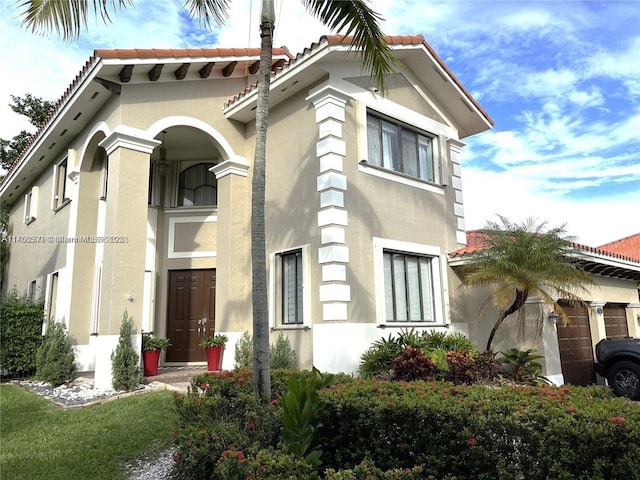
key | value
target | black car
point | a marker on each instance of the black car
(618, 360)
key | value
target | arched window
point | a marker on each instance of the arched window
(197, 186)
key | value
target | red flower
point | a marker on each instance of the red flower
(251, 425)
(472, 441)
(572, 410)
(617, 420)
(274, 403)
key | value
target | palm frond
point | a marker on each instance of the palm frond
(68, 18)
(204, 11)
(355, 17)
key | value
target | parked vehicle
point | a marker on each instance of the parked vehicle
(618, 360)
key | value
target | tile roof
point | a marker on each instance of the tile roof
(122, 54)
(624, 249)
(628, 246)
(347, 40)
(137, 53)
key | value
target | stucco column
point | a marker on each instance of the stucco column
(233, 268)
(122, 284)
(633, 319)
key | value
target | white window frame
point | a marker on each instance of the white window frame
(418, 132)
(31, 205)
(438, 275)
(51, 297)
(275, 293)
(60, 179)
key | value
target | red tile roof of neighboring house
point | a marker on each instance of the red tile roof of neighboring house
(625, 249)
(391, 40)
(628, 246)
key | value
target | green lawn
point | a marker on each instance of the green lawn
(41, 440)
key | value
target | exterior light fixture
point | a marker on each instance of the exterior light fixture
(553, 316)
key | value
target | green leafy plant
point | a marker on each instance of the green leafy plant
(149, 342)
(55, 362)
(217, 340)
(124, 360)
(522, 366)
(244, 351)
(20, 333)
(301, 404)
(379, 357)
(282, 355)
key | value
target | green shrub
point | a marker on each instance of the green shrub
(125, 360)
(377, 361)
(244, 352)
(55, 362)
(379, 357)
(21, 333)
(282, 355)
(388, 430)
(522, 367)
(475, 432)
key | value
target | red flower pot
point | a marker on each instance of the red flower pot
(214, 358)
(151, 359)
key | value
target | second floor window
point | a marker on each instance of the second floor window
(401, 149)
(60, 185)
(197, 186)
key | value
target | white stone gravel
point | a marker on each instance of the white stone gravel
(79, 393)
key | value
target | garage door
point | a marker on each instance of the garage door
(615, 321)
(576, 351)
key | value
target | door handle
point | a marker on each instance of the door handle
(204, 320)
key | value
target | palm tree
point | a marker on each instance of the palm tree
(525, 260)
(352, 17)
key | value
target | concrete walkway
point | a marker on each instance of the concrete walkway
(176, 378)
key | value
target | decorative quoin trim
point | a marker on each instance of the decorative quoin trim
(333, 218)
(455, 149)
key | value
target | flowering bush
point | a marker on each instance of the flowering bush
(409, 430)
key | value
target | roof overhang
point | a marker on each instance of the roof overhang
(310, 67)
(102, 78)
(592, 263)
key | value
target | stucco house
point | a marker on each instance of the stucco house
(135, 196)
(611, 309)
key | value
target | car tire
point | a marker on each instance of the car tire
(624, 379)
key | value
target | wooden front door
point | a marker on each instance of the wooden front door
(615, 321)
(191, 313)
(576, 350)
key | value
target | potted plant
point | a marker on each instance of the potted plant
(151, 348)
(214, 348)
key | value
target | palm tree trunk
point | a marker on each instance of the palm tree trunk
(521, 298)
(261, 360)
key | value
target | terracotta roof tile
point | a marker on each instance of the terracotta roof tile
(628, 246)
(624, 249)
(391, 40)
(124, 54)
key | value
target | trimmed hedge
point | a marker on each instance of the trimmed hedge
(397, 430)
(479, 432)
(21, 333)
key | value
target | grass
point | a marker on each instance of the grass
(40, 440)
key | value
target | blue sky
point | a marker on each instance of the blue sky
(561, 80)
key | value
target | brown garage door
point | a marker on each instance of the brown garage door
(576, 351)
(615, 321)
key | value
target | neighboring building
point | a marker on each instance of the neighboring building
(152, 151)
(612, 309)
